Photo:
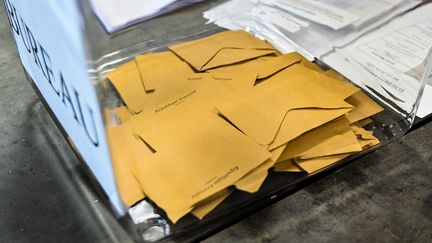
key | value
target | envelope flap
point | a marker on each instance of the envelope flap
(364, 107)
(260, 112)
(160, 67)
(227, 56)
(297, 122)
(265, 66)
(199, 52)
(127, 81)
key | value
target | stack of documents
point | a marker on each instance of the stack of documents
(298, 24)
(392, 60)
(119, 14)
(216, 114)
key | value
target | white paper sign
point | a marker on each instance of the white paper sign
(48, 34)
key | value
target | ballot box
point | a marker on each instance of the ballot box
(186, 127)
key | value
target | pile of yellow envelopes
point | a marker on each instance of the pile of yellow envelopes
(217, 113)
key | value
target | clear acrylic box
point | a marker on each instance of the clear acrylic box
(107, 51)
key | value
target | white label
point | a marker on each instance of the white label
(48, 34)
(318, 12)
(277, 17)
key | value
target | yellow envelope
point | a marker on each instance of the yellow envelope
(260, 112)
(123, 113)
(235, 82)
(197, 152)
(363, 122)
(335, 137)
(364, 107)
(160, 67)
(366, 138)
(276, 153)
(299, 121)
(208, 205)
(264, 66)
(121, 139)
(315, 164)
(307, 64)
(227, 56)
(253, 180)
(334, 74)
(287, 166)
(127, 81)
(222, 49)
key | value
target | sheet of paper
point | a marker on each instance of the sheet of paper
(425, 107)
(172, 178)
(278, 17)
(366, 10)
(390, 60)
(319, 12)
(116, 15)
(232, 15)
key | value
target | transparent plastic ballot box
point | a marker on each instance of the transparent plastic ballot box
(67, 54)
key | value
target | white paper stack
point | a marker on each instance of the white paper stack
(334, 23)
(299, 23)
(119, 14)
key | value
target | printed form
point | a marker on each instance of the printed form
(392, 60)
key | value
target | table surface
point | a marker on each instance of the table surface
(385, 196)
